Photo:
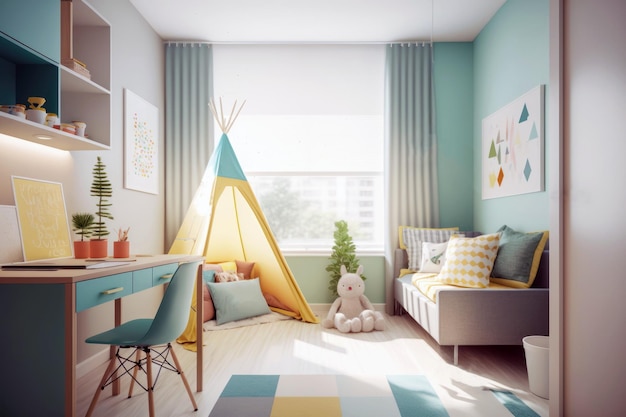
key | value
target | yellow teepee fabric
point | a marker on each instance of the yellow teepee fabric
(225, 223)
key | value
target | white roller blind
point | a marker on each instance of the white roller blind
(311, 111)
(301, 79)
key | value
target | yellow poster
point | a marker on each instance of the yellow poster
(42, 218)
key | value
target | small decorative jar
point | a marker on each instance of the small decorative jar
(18, 110)
(69, 128)
(52, 120)
(80, 128)
(37, 115)
(36, 102)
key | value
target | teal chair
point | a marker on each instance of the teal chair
(152, 337)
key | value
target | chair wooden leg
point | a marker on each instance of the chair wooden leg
(150, 386)
(182, 375)
(132, 380)
(94, 400)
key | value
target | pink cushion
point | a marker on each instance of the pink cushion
(245, 268)
(207, 305)
(208, 309)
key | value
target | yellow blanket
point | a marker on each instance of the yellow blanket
(429, 285)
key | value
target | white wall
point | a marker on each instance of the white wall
(137, 64)
(593, 201)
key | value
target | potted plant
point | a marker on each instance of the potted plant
(102, 189)
(81, 224)
(121, 247)
(344, 253)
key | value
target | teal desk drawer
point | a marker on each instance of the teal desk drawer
(162, 274)
(142, 279)
(100, 290)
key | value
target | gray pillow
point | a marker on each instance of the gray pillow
(237, 300)
(518, 257)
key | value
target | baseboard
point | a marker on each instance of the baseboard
(321, 309)
(92, 363)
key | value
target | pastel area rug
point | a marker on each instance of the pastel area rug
(348, 396)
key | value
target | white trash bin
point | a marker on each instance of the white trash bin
(537, 349)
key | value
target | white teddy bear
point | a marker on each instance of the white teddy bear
(352, 311)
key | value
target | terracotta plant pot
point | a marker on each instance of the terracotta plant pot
(121, 249)
(99, 248)
(81, 249)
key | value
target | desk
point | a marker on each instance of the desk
(38, 311)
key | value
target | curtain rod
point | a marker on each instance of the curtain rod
(423, 42)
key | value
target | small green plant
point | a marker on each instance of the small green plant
(101, 188)
(82, 223)
(344, 253)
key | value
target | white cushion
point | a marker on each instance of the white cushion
(413, 238)
(433, 256)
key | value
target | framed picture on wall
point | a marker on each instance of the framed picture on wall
(141, 144)
(513, 149)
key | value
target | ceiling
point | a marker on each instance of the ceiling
(317, 21)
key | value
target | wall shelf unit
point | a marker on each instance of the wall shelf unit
(34, 132)
(73, 96)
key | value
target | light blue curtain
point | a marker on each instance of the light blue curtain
(410, 146)
(189, 138)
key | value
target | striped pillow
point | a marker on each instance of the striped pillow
(413, 237)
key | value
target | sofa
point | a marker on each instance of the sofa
(462, 316)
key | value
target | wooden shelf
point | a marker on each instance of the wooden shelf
(69, 94)
(72, 82)
(29, 131)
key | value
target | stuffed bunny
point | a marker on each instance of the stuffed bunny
(352, 311)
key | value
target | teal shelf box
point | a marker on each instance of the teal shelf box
(34, 24)
(27, 73)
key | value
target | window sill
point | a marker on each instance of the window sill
(327, 253)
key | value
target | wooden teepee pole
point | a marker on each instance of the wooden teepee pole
(214, 111)
(225, 125)
(232, 122)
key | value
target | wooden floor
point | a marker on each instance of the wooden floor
(293, 347)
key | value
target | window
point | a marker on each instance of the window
(310, 137)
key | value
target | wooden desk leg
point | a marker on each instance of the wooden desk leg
(199, 331)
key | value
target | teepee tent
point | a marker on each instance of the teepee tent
(225, 223)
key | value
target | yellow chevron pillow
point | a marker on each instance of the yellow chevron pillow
(469, 261)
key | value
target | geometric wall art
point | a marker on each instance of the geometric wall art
(141, 144)
(512, 147)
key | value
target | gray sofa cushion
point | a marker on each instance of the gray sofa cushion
(518, 257)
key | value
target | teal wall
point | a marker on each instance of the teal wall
(453, 75)
(511, 57)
